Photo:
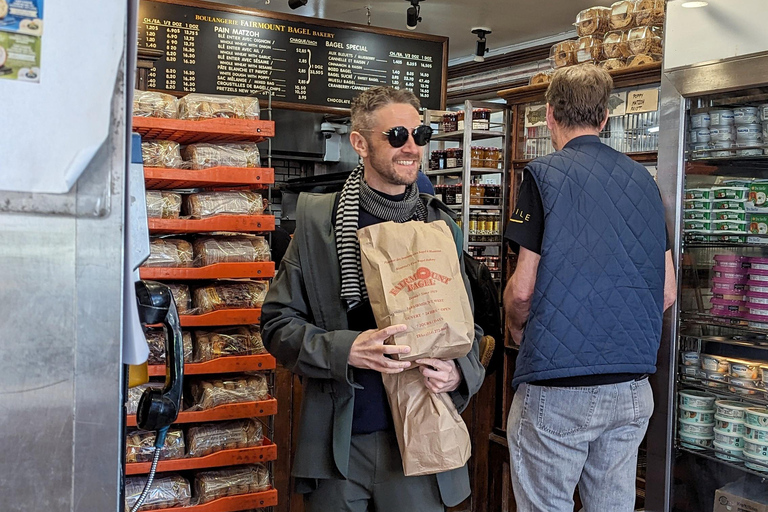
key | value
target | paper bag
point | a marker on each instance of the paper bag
(412, 274)
(430, 432)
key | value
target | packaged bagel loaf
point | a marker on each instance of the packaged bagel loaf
(594, 21)
(223, 342)
(163, 205)
(167, 491)
(649, 12)
(615, 45)
(210, 438)
(212, 485)
(613, 64)
(644, 40)
(210, 106)
(154, 104)
(643, 59)
(233, 389)
(541, 77)
(182, 297)
(563, 54)
(230, 295)
(230, 249)
(169, 253)
(156, 343)
(161, 153)
(623, 14)
(140, 445)
(589, 49)
(230, 154)
(208, 204)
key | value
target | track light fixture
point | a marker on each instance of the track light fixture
(481, 50)
(295, 4)
(413, 14)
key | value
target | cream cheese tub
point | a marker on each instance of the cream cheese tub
(699, 136)
(756, 463)
(698, 204)
(698, 215)
(730, 286)
(698, 225)
(729, 453)
(731, 409)
(717, 364)
(732, 273)
(720, 117)
(757, 286)
(695, 442)
(698, 193)
(694, 399)
(746, 115)
(730, 425)
(758, 263)
(745, 369)
(749, 151)
(692, 415)
(729, 439)
(737, 193)
(690, 358)
(729, 215)
(721, 134)
(739, 226)
(731, 260)
(729, 204)
(754, 433)
(756, 449)
(722, 149)
(703, 120)
(756, 321)
(715, 379)
(699, 429)
(756, 416)
(756, 274)
(763, 109)
(749, 133)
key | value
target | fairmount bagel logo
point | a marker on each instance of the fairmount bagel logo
(421, 278)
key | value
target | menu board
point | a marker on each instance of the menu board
(307, 63)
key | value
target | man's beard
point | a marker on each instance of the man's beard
(386, 169)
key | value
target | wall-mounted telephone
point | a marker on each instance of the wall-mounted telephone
(158, 408)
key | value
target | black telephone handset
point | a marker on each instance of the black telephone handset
(159, 408)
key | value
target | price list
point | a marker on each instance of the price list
(222, 52)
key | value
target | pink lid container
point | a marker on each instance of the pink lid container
(757, 286)
(724, 302)
(730, 273)
(725, 311)
(756, 318)
(758, 263)
(731, 260)
(757, 295)
(754, 272)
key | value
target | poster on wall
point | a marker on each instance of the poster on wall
(21, 30)
(617, 104)
(536, 115)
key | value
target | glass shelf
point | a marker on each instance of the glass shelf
(718, 321)
(458, 136)
(733, 340)
(709, 453)
(758, 400)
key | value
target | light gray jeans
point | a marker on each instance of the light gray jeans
(587, 436)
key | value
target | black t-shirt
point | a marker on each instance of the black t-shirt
(526, 229)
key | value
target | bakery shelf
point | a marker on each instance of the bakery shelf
(261, 269)
(157, 178)
(238, 223)
(229, 364)
(209, 130)
(253, 455)
(232, 503)
(222, 317)
(223, 412)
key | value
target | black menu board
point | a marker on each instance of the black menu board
(308, 64)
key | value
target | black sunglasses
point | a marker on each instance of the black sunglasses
(398, 135)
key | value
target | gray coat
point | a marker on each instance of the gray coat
(304, 325)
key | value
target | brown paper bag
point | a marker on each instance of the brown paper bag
(412, 274)
(430, 432)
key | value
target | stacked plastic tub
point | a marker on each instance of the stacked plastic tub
(697, 419)
(757, 296)
(731, 274)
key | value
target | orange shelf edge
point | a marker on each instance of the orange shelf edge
(239, 223)
(208, 130)
(222, 317)
(232, 503)
(229, 364)
(158, 178)
(260, 269)
(237, 456)
(262, 408)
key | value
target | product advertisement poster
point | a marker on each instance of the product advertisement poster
(21, 30)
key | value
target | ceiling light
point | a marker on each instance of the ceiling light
(412, 15)
(693, 5)
(481, 50)
(295, 4)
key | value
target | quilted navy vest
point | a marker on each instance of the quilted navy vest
(597, 305)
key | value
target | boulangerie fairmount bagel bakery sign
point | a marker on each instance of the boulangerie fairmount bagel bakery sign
(307, 63)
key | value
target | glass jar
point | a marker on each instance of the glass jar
(481, 119)
(440, 192)
(441, 158)
(460, 120)
(458, 220)
(473, 227)
(493, 158)
(476, 194)
(449, 122)
(450, 194)
(459, 157)
(478, 156)
(450, 159)
(459, 193)
(434, 161)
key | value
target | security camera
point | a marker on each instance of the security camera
(327, 129)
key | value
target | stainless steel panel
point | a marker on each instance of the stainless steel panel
(670, 180)
(721, 76)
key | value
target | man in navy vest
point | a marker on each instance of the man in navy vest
(585, 303)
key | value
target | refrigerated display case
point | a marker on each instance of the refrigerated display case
(708, 439)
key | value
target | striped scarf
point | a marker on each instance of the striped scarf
(355, 194)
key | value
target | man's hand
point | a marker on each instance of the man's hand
(440, 376)
(368, 350)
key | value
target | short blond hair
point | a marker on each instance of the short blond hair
(367, 102)
(579, 95)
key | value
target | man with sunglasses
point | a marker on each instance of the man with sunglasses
(317, 321)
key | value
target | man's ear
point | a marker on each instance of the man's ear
(359, 144)
(550, 117)
(605, 120)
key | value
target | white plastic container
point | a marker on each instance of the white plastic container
(699, 429)
(763, 112)
(712, 363)
(746, 115)
(715, 379)
(756, 416)
(702, 120)
(729, 453)
(699, 400)
(755, 463)
(690, 358)
(692, 415)
(722, 149)
(729, 439)
(721, 133)
(749, 133)
(699, 135)
(731, 409)
(720, 117)
(701, 150)
(731, 425)
(695, 442)
(754, 433)
(751, 151)
(756, 449)
(745, 369)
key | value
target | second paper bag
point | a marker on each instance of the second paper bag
(413, 277)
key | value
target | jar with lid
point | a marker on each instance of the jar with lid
(449, 122)
(459, 192)
(434, 161)
(450, 194)
(440, 192)
(478, 156)
(442, 156)
(496, 226)
(493, 158)
(458, 220)
(473, 227)
(481, 119)
(459, 157)
(476, 194)
(450, 159)
(460, 120)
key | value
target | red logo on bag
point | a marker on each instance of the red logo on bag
(421, 278)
